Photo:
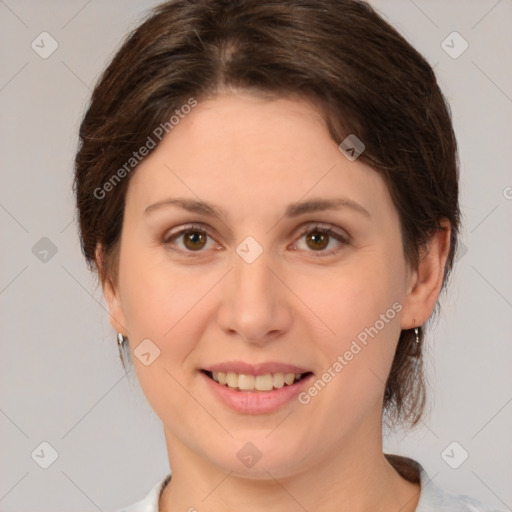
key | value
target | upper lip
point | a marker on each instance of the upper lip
(255, 369)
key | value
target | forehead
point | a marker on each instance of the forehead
(252, 152)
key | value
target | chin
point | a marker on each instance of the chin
(260, 457)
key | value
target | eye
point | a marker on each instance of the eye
(193, 237)
(319, 237)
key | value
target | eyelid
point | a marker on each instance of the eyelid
(343, 238)
(193, 226)
(322, 226)
(186, 227)
(340, 235)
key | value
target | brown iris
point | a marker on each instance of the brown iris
(194, 240)
(319, 239)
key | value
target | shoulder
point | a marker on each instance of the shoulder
(150, 502)
(434, 498)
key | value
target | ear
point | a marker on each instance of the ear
(427, 279)
(111, 294)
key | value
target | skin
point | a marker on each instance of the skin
(252, 157)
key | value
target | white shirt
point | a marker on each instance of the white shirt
(432, 498)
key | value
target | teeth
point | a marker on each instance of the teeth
(265, 382)
(232, 380)
(278, 379)
(246, 382)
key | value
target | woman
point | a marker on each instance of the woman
(268, 191)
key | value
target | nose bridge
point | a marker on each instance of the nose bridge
(251, 275)
(252, 305)
(252, 280)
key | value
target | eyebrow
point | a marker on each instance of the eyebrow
(292, 210)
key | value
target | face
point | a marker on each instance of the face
(295, 269)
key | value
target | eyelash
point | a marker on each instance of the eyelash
(315, 228)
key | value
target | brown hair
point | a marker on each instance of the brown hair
(339, 54)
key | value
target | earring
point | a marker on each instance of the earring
(120, 339)
(417, 334)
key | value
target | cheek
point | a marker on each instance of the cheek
(157, 296)
(353, 297)
(360, 304)
(163, 304)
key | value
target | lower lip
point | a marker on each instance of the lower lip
(256, 402)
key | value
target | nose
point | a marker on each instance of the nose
(255, 303)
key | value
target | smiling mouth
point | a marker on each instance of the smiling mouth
(263, 383)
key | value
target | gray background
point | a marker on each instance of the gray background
(61, 378)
